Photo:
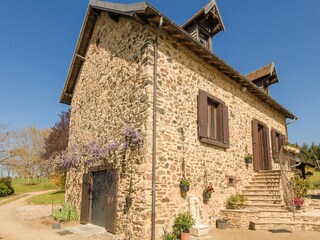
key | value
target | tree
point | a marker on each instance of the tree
(57, 140)
(4, 144)
(55, 144)
(26, 152)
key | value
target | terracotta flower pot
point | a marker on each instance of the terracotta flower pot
(185, 236)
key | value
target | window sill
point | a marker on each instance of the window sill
(214, 142)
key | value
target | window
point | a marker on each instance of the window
(278, 140)
(213, 122)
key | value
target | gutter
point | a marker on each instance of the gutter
(154, 133)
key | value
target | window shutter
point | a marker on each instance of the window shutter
(284, 139)
(84, 215)
(225, 123)
(274, 145)
(268, 167)
(255, 145)
(111, 201)
(202, 114)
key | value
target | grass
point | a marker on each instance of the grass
(48, 198)
(315, 180)
(315, 177)
(21, 185)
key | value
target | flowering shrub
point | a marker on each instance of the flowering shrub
(298, 201)
(91, 152)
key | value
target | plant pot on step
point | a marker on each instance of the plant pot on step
(185, 236)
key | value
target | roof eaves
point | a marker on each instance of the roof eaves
(200, 50)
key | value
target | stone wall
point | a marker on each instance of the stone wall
(181, 74)
(114, 89)
(112, 92)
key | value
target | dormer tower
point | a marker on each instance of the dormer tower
(264, 77)
(205, 24)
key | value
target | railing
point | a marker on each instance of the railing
(287, 162)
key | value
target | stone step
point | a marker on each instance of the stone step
(265, 201)
(266, 225)
(265, 181)
(273, 212)
(269, 171)
(269, 206)
(278, 217)
(260, 186)
(261, 178)
(258, 191)
(268, 174)
(289, 225)
(263, 197)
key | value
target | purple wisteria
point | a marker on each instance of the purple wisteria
(88, 154)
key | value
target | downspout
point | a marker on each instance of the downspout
(154, 162)
(288, 123)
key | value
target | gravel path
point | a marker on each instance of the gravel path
(27, 222)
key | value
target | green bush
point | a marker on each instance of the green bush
(183, 223)
(169, 236)
(66, 214)
(237, 201)
(300, 186)
(316, 184)
(6, 188)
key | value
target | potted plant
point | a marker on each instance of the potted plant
(248, 158)
(222, 223)
(291, 149)
(298, 202)
(237, 201)
(182, 225)
(169, 236)
(207, 192)
(184, 185)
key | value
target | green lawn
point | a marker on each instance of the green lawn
(48, 198)
(315, 180)
(21, 185)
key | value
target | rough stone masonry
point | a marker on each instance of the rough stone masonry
(114, 89)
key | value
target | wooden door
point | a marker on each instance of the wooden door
(261, 146)
(98, 198)
(111, 201)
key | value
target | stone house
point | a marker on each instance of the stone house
(209, 116)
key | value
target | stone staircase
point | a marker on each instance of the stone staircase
(266, 209)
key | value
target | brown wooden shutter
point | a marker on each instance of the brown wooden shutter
(111, 201)
(274, 144)
(255, 145)
(225, 123)
(269, 166)
(284, 139)
(84, 215)
(202, 114)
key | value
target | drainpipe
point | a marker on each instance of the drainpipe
(154, 162)
(288, 123)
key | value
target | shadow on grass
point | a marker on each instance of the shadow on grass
(58, 192)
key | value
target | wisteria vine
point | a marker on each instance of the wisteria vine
(88, 154)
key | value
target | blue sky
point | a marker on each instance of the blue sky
(38, 39)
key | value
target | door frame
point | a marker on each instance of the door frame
(88, 208)
(258, 162)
